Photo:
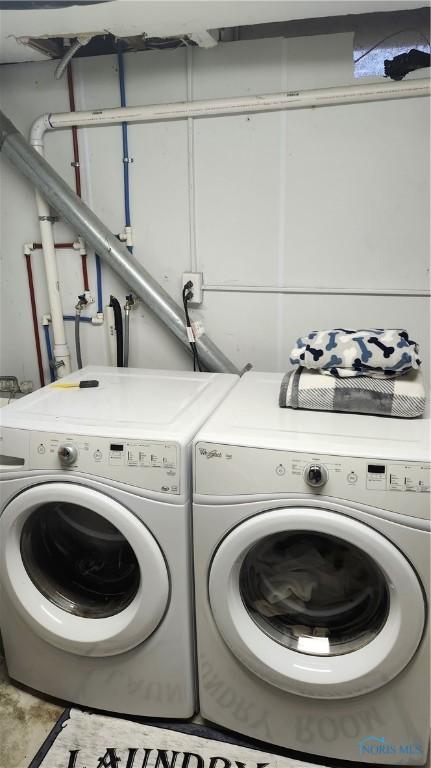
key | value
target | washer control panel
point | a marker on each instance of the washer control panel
(147, 465)
(228, 470)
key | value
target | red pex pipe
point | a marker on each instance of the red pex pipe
(74, 130)
(38, 246)
(34, 316)
(76, 163)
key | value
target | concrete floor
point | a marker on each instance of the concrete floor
(25, 722)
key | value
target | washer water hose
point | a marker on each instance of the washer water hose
(82, 302)
(115, 304)
(130, 302)
(77, 339)
(49, 351)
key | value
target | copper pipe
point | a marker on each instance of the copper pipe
(34, 316)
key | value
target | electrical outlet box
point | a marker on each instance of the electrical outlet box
(197, 279)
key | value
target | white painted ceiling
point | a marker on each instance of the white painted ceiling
(162, 18)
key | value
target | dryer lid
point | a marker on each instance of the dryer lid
(250, 416)
(128, 402)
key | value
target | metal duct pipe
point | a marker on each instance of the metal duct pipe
(61, 197)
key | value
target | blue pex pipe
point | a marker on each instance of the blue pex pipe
(124, 128)
(49, 351)
(71, 319)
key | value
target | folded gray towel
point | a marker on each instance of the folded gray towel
(403, 396)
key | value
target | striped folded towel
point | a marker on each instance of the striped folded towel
(367, 352)
(403, 396)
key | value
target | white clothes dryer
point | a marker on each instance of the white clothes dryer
(95, 538)
(312, 571)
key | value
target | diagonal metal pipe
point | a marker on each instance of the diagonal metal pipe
(61, 197)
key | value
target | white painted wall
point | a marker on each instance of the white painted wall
(335, 197)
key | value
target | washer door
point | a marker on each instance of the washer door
(82, 570)
(315, 602)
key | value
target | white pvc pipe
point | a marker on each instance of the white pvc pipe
(111, 335)
(323, 97)
(60, 348)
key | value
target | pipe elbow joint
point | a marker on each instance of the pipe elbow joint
(38, 130)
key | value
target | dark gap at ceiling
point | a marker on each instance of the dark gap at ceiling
(354, 22)
(364, 26)
(102, 45)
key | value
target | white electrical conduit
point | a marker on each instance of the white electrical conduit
(68, 56)
(324, 97)
(60, 350)
(303, 290)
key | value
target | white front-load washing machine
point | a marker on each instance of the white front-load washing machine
(312, 570)
(95, 545)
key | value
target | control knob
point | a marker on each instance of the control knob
(315, 475)
(68, 454)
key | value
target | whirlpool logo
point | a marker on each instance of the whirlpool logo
(210, 454)
(377, 745)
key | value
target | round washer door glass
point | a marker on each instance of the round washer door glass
(315, 602)
(79, 560)
(82, 570)
(314, 593)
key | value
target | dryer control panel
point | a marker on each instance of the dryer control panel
(143, 464)
(230, 470)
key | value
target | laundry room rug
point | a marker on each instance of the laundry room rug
(84, 740)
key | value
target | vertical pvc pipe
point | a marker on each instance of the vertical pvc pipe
(61, 349)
